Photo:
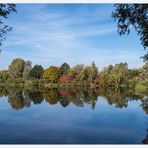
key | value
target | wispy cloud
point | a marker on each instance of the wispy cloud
(52, 34)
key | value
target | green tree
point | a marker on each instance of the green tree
(114, 75)
(135, 15)
(64, 68)
(93, 72)
(36, 72)
(16, 68)
(27, 68)
(5, 11)
(119, 74)
(77, 73)
(51, 74)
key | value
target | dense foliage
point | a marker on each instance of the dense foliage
(114, 75)
(16, 68)
(51, 74)
(118, 75)
(65, 79)
(81, 73)
(36, 72)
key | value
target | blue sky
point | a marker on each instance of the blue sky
(50, 34)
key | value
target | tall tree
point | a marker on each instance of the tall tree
(135, 15)
(16, 68)
(27, 68)
(64, 68)
(93, 72)
(36, 72)
(119, 74)
(5, 11)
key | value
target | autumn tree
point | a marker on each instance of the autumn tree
(65, 79)
(16, 68)
(51, 74)
(76, 72)
(81, 73)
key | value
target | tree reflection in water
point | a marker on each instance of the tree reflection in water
(145, 140)
(145, 104)
(35, 95)
(20, 98)
(52, 97)
(16, 99)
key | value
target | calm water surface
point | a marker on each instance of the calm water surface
(73, 116)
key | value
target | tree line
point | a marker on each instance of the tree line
(112, 75)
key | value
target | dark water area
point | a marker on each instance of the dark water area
(73, 116)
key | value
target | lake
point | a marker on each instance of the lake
(73, 116)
